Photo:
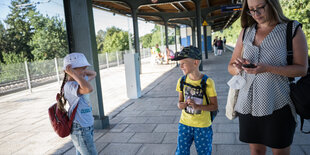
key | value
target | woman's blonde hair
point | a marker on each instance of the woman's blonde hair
(275, 13)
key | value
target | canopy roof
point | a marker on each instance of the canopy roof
(174, 12)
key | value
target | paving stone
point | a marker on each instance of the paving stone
(224, 138)
(134, 120)
(301, 139)
(306, 149)
(140, 128)
(232, 150)
(171, 138)
(119, 128)
(157, 149)
(161, 119)
(166, 128)
(152, 113)
(121, 149)
(226, 128)
(147, 138)
(115, 137)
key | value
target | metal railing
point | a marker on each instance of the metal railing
(21, 76)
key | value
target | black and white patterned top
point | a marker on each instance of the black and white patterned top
(265, 92)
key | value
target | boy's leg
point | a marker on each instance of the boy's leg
(185, 139)
(203, 140)
(82, 138)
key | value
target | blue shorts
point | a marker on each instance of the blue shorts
(201, 136)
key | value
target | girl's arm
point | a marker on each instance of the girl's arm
(181, 104)
(91, 74)
(210, 107)
(84, 86)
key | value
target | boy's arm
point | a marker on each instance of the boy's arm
(181, 104)
(84, 86)
(91, 74)
(210, 107)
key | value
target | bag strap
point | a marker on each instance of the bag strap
(73, 115)
(182, 82)
(289, 45)
(204, 86)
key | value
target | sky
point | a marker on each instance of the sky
(102, 18)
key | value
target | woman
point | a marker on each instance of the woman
(266, 114)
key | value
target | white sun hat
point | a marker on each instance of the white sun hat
(75, 60)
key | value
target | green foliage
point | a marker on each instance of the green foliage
(115, 40)
(100, 40)
(12, 58)
(19, 30)
(151, 39)
(32, 35)
(49, 39)
(299, 10)
(231, 33)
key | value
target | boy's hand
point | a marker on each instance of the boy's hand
(182, 105)
(192, 103)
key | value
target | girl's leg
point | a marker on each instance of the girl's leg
(82, 138)
(203, 140)
(185, 140)
(257, 149)
(284, 151)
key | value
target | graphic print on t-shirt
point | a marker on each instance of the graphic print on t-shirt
(194, 94)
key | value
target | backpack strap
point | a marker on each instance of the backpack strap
(204, 86)
(182, 82)
(289, 45)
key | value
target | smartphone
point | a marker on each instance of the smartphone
(249, 65)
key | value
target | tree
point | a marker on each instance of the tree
(2, 42)
(49, 39)
(299, 10)
(115, 40)
(19, 32)
(100, 40)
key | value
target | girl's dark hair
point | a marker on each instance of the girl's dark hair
(275, 13)
(61, 102)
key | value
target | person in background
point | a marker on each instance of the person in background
(219, 44)
(267, 116)
(170, 54)
(215, 46)
(224, 44)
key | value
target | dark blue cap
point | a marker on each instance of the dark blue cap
(188, 52)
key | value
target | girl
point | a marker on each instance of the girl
(75, 89)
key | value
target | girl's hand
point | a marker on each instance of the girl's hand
(69, 70)
(91, 74)
(261, 68)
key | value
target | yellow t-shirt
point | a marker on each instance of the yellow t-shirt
(197, 118)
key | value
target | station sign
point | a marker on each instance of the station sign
(231, 8)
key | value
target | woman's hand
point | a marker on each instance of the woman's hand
(238, 64)
(260, 68)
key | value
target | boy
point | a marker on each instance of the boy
(195, 122)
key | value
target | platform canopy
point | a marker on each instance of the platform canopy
(219, 14)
